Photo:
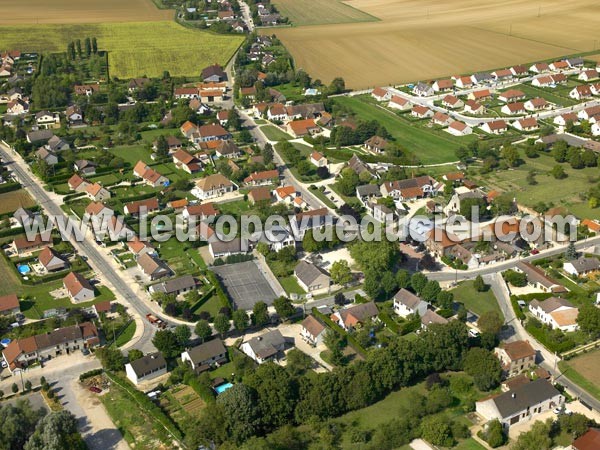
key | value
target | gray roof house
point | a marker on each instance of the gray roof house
(310, 277)
(146, 368)
(265, 347)
(203, 356)
(367, 192)
(582, 266)
(521, 403)
(46, 155)
(153, 267)
(175, 286)
(407, 303)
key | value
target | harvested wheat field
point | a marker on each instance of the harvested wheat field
(420, 40)
(14, 12)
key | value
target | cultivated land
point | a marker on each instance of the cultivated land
(135, 48)
(418, 40)
(11, 201)
(72, 11)
(585, 371)
(319, 12)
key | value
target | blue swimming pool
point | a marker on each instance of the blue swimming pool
(222, 388)
(5, 342)
(24, 269)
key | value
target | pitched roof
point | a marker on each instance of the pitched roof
(260, 194)
(589, 441)
(523, 397)
(359, 313)
(212, 130)
(313, 325)
(202, 210)
(136, 245)
(537, 275)
(265, 345)
(148, 363)
(565, 318)
(213, 181)
(46, 255)
(22, 243)
(432, 317)
(150, 204)
(206, 351)
(407, 298)
(300, 127)
(227, 147)
(308, 273)
(518, 349)
(585, 264)
(151, 264)
(264, 175)
(551, 304)
(8, 302)
(75, 283)
(175, 284)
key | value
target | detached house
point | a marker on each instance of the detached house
(450, 101)
(212, 132)
(175, 286)
(96, 192)
(311, 277)
(318, 159)
(74, 115)
(441, 119)
(262, 178)
(443, 85)
(206, 355)
(432, 318)
(495, 127)
(265, 347)
(137, 247)
(301, 128)
(457, 128)
(47, 156)
(536, 104)
(582, 266)
(376, 144)
(421, 112)
(313, 331)
(515, 357)
(580, 92)
(9, 305)
(215, 185)
(512, 95)
(51, 261)
(227, 149)
(527, 124)
(423, 90)
(407, 303)
(473, 107)
(399, 103)
(146, 368)
(381, 94)
(150, 176)
(153, 267)
(46, 120)
(355, 316)
(142, 207)
(214, 73)
(556, 312)
(78, 288)
(537, 278)
(186, 162)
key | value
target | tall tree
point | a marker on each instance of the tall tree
(166, 342)
(260, 314)
(88, 47)
(222, 324)
(340, 272)
(240, 319)
(203, 329)
(94, 45)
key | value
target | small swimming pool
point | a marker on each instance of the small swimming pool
(5, 342)
(24, 269)
(222, 388)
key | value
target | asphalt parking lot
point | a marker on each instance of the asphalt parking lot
(245, 284)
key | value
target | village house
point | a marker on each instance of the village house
(421, 112)
(381, 94)
(57, 144)
(175, 286)
(153, 267)
(150, 176)
(137, 247)
(411, 188)
(539, 67)
(222, 249)
(285, 194)
(443, 85)
(20, 353)
(589, 113)
(311, 277)
(515, 357)
(205, 356)
(406, 303)
(51, 260)
(526, 124)
(215, 185)
(559, 65)
(47, 120)
(512, 95)
(482, 77)
(39, 137)
(537, 278)
(212, 132)
(359, 166)
(96, 192)
(22, 246)
(186, 93)
(209, 96)
(463, 82)
(23, 216)
(422, 90)
(318, 159)
(266, 347)
(536, 104)
(588, 441)
(9, 305)
(173, 144)
(146, 368)
(582, 266)
(588, 75)
(450, 101)
(520, 404)
(502, 75)
(355, 316)
(313, 331)
(563, 119)
(199, 211)
(441, 119)
(49, 157)
(78, 287)
(461, 194)
(85, 167)
(227, 149)
(259, 195)
(473, 107)
(432, 318)
(439, 242)
(214, 73)
(367, 192)
(186, 162)
(482, 95)
(262, 178)
(458, 128)
(304, 127)
(86, 89)
(556, 312)
(141, 207)
(200, 108)
(495, 127)
(17, 107)
(375, 144)
(580, 92)
(575, 63)
(513, 108)
(399, 103)
(188, 129)
(98, 210)
(135, 84)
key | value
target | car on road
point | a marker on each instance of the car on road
(95, 389)
(85, 351)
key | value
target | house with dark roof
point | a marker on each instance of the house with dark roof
(142, 207)
(214, 73)
(174, 286)
(582, 266)
(227, 149)
(537, 278)
(520, 404)
(266, 347)
(221, 249)
(355, 316)
(515, 357)
(23, 246)
(407, 303)
(146, 368)
(206, 355)
(311, 277)
(431, 317)
(375, 144)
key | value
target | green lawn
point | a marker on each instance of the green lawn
(568, 195)
(182, 258)
(430, 146)
(212, 306)
(549, 94)
(589, 363)
(274, 134)
(127, 334)
(132, 154)
(291, 286)
(469, 444)
(477, 302)
(321, 196)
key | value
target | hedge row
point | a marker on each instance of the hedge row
(9, 187)
(340, 331)
(208, 294)
(90, 374)
(516, 308)
(220, 292)
(390, 323)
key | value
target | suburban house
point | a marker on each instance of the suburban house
(556, 312)
(262, 178)
(422, 90)
(375, 144)
(78, 287)
(56, 144)
(461, 194)
(457, 128)
(199, 211)
(513, 108)
(227, 149)
(9, 305)
(22, 246)
(502, 74)
(484, 94)
(521, 403)
(537, 278)
(188, 129)
(410, 189)
(206, 355)
(142, 207)
(186, 162)
(214, 185)
(431, 317)
(51, 261)
(214, 73)
(588, 441)
(153, 267)
(96, 192)
(474, 107)
(421, 112)
(519, 71)
(211, 132)
(47, 120)
(355, 316)
(539, 67)
(481, 77)
(259, 195)
(85, 167)
(222, 249)
(76, 183)
(439, 242)
(146, 368)
(311, 277)
(86, 89)
(559, 65)
(580, 92)
(20, 353)
(399, 103)
(536, 104)
(443, 85)
(515, 357)
(49, 157)
(174, 286)
(313, 331)
(318, 159)
(563, 119)
(526, 124)
(150, 176)
(98, 210)
(304, 127)
(453, 102)
(137, 247)
(463, 82)
(381, 94)
(512, 95)
(285, 194)
(407, 303)
(588, 75)
(495, 127)
(439, 118)
(582, 266)
(265, 347)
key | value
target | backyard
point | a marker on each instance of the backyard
(474, 301)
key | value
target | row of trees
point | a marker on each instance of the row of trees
(74, 49)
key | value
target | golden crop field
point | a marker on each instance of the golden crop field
(134, 48)
(424, 39)
(79, 11)
(318, 12)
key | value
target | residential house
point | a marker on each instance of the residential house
(421, 112)
(204, 356)
(359, 166)
(367, 192)
(512, 95)
(136, 84)
(563, 119)
(9, 305)
(51, 260)
(431, 317)
(355, 316)
(574, 63)
(543, 81)
(589, 113)
(142, 207)
(23, 216)
(188, 129)
(311, 277)
(588, 441)
(85, 167)
(526, 124)
(215, 185)
(588, 75)
(39, 136)
(423, 90)
(153, 267)
(457, 128)
(227, 149)
(520, 404)
(86, 89)
(265, 347)
(210, 96)
(484, 94)
(146, 368)
(559, 65)
(310, 220)
(23, 246)
(47, 120)
(97, 209)
(47, 156)
(411, 188)
(582, 266)
(443, 85)
(482, 77)
(556, 312)
(214, 73)
(318, 159)
(173, 144)
(539, 68)
(78, 287)
(473, 107)
(285, 194)
(222, 249)
(439, 242)
(537, 278)
(174, 286)
(137, 247)
(536, 104)
(399, 103)
(406, 303)
(259, 195)
(262, 178)
(515, 357)
(381, 94)
(502, 75)
(212, 132)
(463, 82)
(150, 176)
(20, 353)
(376, 144)
(199, 212)
(96, 192)
(461, 194)
(56, 144)
(304, 127)
(441, 119)
(495, 127)
(186, 162)
(513, 108)
(580, 92)
(223, 117)
(17, 107)
(313, 331)
(453, 102)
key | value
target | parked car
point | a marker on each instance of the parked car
(95, 389)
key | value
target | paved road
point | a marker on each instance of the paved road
(247, 16)
(516, 331)
(97, 260)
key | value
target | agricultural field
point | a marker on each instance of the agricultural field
(514, 181)
(320, 12)
(11, 201)
(584, 370)
(416, 41)
(134, 48)
(430, 146)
